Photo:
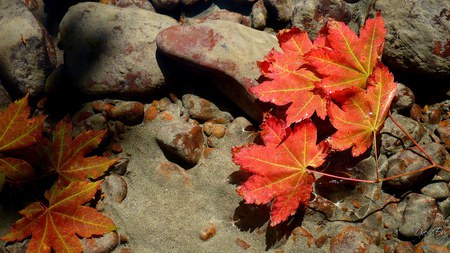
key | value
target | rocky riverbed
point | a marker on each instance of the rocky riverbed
(170, 81)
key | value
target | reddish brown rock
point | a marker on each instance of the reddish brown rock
(105, 243)
(404, 247)
(350, 239)
(216, 47)
(183, 140)
(203, 110)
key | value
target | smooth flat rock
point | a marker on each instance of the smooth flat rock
(225, 48)
(111, 51)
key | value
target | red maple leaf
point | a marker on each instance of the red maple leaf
(58, 224)
(348, 60)
(288, 80)
(362, 113)
(66, 155)
(279, 167)
(17, 131)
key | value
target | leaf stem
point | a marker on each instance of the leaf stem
(343, 178)
(429, 158)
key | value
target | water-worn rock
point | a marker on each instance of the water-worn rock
(217, 46)
(27, 54)
(182, 139)
(220, 15)
(407, 160)
(417, 36)
(280, 10)
(129, 112)
(436, 190)
(115, 188)
(350, 239)
(311, 15)
(105, 243)
(443, 131)
(403, 100)
(203, 110)
(404, 247)
(259, 15)
(418, 216)
(110, 51)
(143, 4)
(393, 139)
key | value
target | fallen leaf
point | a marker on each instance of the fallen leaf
(279, 167)
(58, 225)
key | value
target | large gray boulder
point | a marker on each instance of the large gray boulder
(27, 54)
(111, 51)
(418, 33)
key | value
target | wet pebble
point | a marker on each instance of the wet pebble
(258, 15)
(403, 99)
(182, 139)
(142, 4)
(128, 112)
(436, 190)
(431, 248)
(443, 131)
(404, 247)
(393, 139)
(408, 160)
(279, 10)
(350, 239)
(444, 207)
(115, 188)
(419, 215)
(202, 109)
(103, 244)
(221, 15)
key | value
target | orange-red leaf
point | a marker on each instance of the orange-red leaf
(349, 60)
(279, 168)
(66, 155)
(59, 225)
(16, 169)
(362, 112)
(17, 130)
(288, 81)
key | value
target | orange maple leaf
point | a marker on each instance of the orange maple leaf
(58, 224)
(279, 167)
(17, 131)
(348, 60)
(362, 113)
(288, 80)
(66, 155)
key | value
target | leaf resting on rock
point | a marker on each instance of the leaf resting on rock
(58, 225)
(66, 155)
(279, 167)
(362, 112)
